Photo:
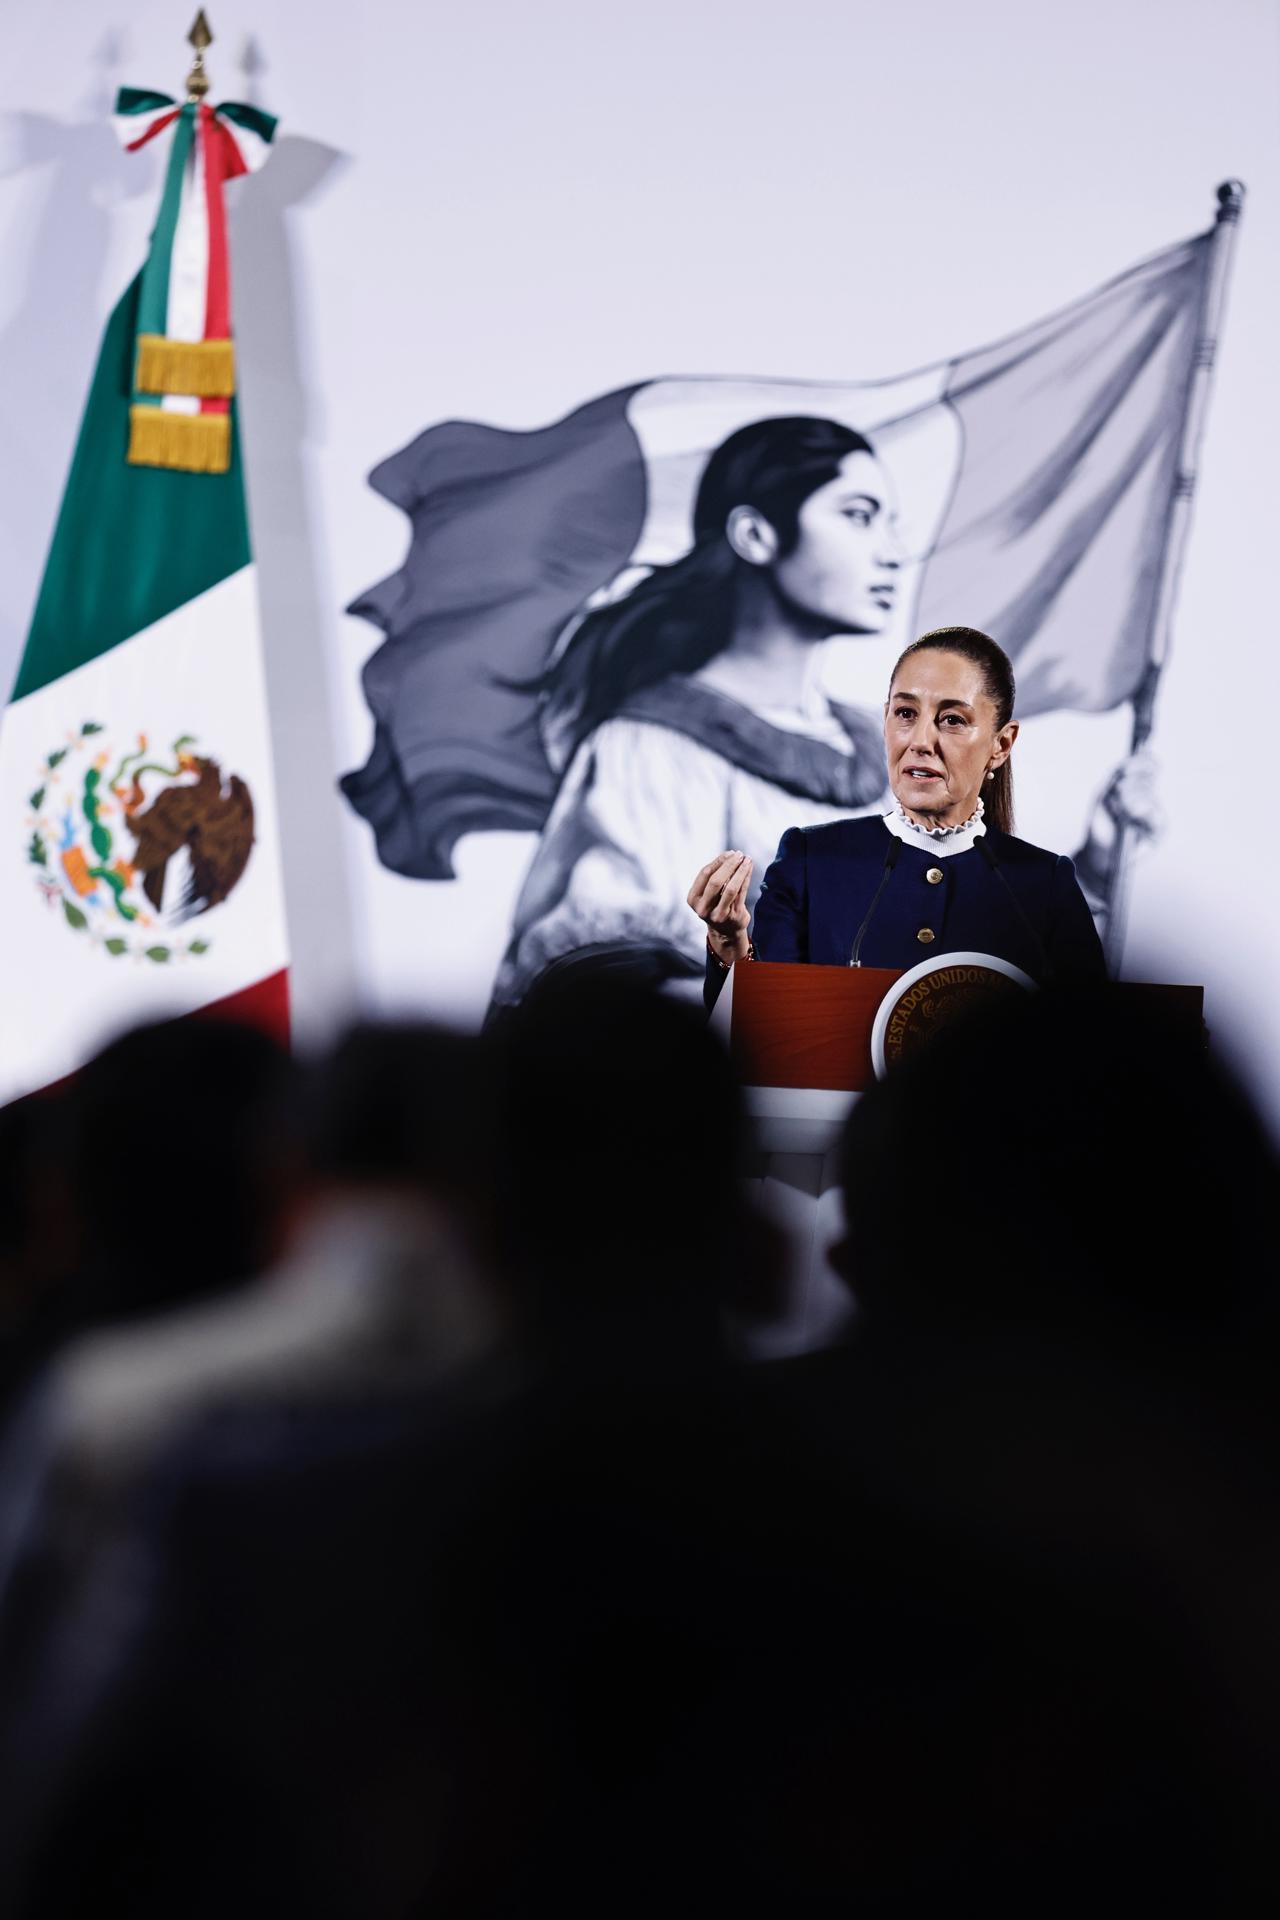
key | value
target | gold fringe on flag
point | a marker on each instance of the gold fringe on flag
(205, 368)
(189, 442)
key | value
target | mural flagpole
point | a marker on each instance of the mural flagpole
(1213, 301)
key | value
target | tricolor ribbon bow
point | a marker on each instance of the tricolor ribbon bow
(184, 371)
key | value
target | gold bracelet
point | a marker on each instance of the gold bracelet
(726, 965)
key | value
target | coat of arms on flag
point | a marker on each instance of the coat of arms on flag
(131, 847)
(555, 644)
(135, 761)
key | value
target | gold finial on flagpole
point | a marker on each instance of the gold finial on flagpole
(200, 37)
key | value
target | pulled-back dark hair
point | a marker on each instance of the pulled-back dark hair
(681, 616)
(998, 684)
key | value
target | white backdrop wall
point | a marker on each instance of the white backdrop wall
(497, 212)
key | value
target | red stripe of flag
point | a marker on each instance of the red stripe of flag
(222, 162)
(157, 126)
(264, 1005)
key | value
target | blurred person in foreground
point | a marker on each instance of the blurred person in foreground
(623, 1213)
(934, 1623)
(146, 1180)
(1122, 1167)
(163, 1163)
(349, 1186)
(37, 1263)
(165, 1167)
(972, 1615)
(1059, 1384)
(376, 1295)
(320, 1682)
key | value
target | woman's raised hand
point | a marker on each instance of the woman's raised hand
(1131, 798)
(719, 898)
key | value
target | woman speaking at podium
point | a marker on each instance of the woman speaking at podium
(941, 872)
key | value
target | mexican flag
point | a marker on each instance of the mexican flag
(142, 872)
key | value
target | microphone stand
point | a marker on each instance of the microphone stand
(890, 862)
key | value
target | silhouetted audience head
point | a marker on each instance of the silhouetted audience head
(175, 1156)
(405, 1107)
(1069, 1153)
(622, 1151)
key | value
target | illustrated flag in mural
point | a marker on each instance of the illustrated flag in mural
(1035, 482)
(142, 876)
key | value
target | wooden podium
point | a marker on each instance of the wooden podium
(806, 1027)
(799, 1038)
(801, 1026)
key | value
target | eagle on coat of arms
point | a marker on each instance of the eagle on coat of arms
(136, 846)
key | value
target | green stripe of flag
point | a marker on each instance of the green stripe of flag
(241, 114)
(142, 100)
(132, 543)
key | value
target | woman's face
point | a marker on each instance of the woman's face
(842, 571)
(941, 738)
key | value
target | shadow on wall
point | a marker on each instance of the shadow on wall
(295, 599)
(49, 344)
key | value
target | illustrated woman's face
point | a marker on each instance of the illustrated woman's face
(842, 571)
(941, 738)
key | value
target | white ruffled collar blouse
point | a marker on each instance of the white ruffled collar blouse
(941, 842)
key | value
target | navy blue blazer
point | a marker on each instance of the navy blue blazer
(816, 893)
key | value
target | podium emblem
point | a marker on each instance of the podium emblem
(927, 998)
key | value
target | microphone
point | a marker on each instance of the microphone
(890, 862)
(988, 854)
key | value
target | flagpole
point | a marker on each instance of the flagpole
(1212, 304)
